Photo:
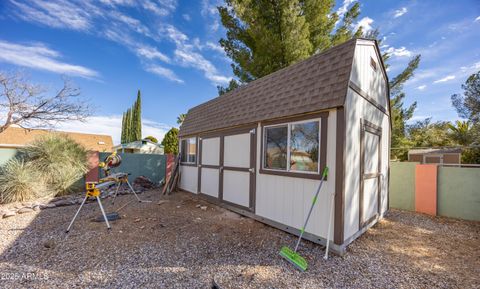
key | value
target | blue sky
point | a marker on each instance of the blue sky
(169, 49)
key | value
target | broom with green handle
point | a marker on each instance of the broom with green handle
(291, 255)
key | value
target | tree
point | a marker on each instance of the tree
(170, 141)
(137, 118)
(123, 137)
(461, 133)
(181, 118)
(132, 122)
(152, 139)
(28, 105)
(468, 105)
(265, 36)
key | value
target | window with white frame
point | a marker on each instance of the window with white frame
(188, 150)
(292, 147)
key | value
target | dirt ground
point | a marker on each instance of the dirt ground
(180, 245)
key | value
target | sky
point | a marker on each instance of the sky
(169, 50)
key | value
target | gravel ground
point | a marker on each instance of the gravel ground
(179, 244)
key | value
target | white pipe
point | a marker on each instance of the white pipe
(329, 226)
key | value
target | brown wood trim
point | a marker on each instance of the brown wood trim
(199, 178)
(323, 115)
(220, 172)
(210, 166)
(366, 126)
(253, 164)
(367, 97)
(237, 169)
(338, 231)
(293, 118)
(228, 131)
(188, 164)
(312, 176)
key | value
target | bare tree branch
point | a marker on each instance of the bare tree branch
(28, 105)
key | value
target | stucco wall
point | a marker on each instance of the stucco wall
(459, 193)
(402, 185)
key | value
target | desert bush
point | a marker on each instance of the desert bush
(60, 160)
(19, 181)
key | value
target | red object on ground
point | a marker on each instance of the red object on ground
(426, 189)
(93, 161)
(170, 165)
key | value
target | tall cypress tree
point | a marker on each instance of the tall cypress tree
(122, 138)
(132, 122)
(137, 118)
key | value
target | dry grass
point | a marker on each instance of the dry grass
(177, 245)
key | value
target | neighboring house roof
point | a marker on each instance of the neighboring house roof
(137, 144)
(435, 151)
(19, 137)
(319, 82)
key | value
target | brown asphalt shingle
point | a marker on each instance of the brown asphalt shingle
(319, 82)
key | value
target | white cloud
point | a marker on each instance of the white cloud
(215, 47)
(153, 7)
(400, 12)
(422, 87)
(38, 56)
(186, 17)
(446, 78)
(163, 72)
(152, 53)
(112, 125)
(399, 52)
(344, 8)
(186, 56)
(477, 19)
(209, 7)
(58, 14)
(365, 23)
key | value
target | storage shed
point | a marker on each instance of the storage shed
(259, 150)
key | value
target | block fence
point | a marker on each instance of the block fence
(435, 190)
(151, 166)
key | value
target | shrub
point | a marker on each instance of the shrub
(19, 181)
(60, 160)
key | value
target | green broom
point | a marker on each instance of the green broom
(291, 255)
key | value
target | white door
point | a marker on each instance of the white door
(370, 173)
(238, 169)
(209, 166)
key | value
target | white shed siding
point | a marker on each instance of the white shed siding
(209, 182)
(356, 108)
(189, 179)
(287, 200)
(371, 81)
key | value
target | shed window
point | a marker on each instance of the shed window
(188, 150)
(373, 64)
(292, 147)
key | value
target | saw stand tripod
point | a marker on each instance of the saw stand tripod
(93, 190)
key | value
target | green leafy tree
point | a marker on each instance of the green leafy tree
(468, 104)
(461, 132)
(170, 141)
(265, 36)
(152, 139)
(123, 137)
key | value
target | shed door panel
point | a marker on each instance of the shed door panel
(209, 185)
(370, 174)
(210, 166)
(211, 151)
(238, 169)
(236, 187)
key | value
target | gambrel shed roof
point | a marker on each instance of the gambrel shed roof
(317, 83)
